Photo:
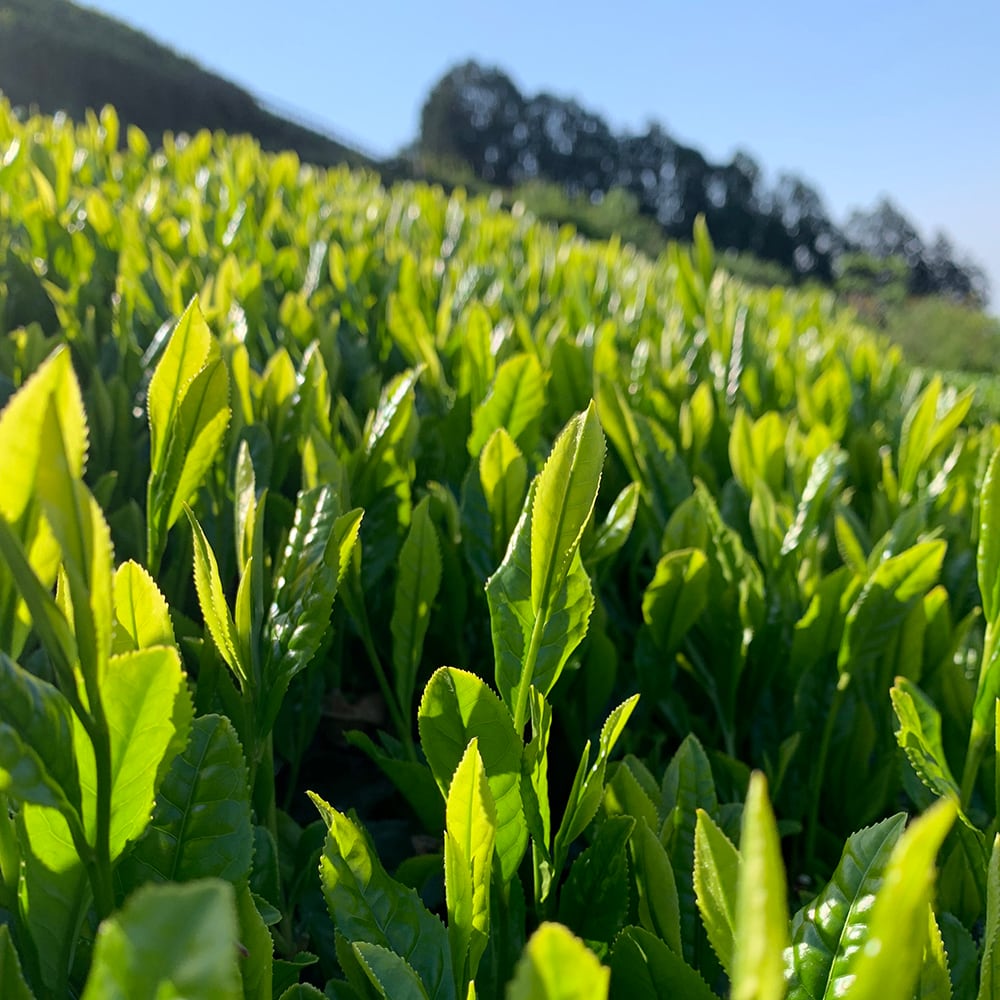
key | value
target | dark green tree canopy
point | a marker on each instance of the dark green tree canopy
(478, 117)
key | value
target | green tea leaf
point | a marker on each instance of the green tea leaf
(934, 981)
(12, 984)
(201, 823)
(417, 583)
(515, 402)
(389, 973)
(413, 779)
(827, 933)
(919, 736)
(716, 886)
(82, 532)
(141, 694)
(169, 941)
(540, 598)
(368, 906)
(503, 473)
(659, 908)
(257, 948)
(688, 786)
(644, 968)
(214, 607)
(36, 739)
(617, 526)
(195, 439)
(535, 775)
(470, 837)
(142, 618)
(53, 891)
(988, 551)
(884, 602)
(588, 784)
(761, 906)
(887, 964)
(21, 431)
(990, 966)
(563, 502)
(530, 651)
(456, 707)
(558, 966)
(47, 619)
(676, 597)
(595, 898)
(184, 357)
(305, 588)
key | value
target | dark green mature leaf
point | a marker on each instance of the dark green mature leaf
(201, 824)
(257, 958)
(659, 907)
(761, 905)
(595, 899)
(456, 707)
(413, 779)
(716, 886)
(417, 583)
(169, 941)
(558, 966)
(36, 738)
(633, 791)
(887, 966)
(676, 597)
(12, 984)
(989, 982)
(318, 549)
(368, 906)
(827, 933)
(515, 402)
(644, 968)
(688, 786)
(588, 784)
(389, 973)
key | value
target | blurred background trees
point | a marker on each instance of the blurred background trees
(475, 118)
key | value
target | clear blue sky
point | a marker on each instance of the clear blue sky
(860, 99)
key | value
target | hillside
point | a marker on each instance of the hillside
(56, 56)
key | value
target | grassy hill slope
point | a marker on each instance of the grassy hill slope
(56, 56)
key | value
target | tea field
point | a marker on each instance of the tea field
(401, 598)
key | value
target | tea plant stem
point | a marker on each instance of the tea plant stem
(104, 897)
(812, 823)
(402, 727)
(980, 735)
